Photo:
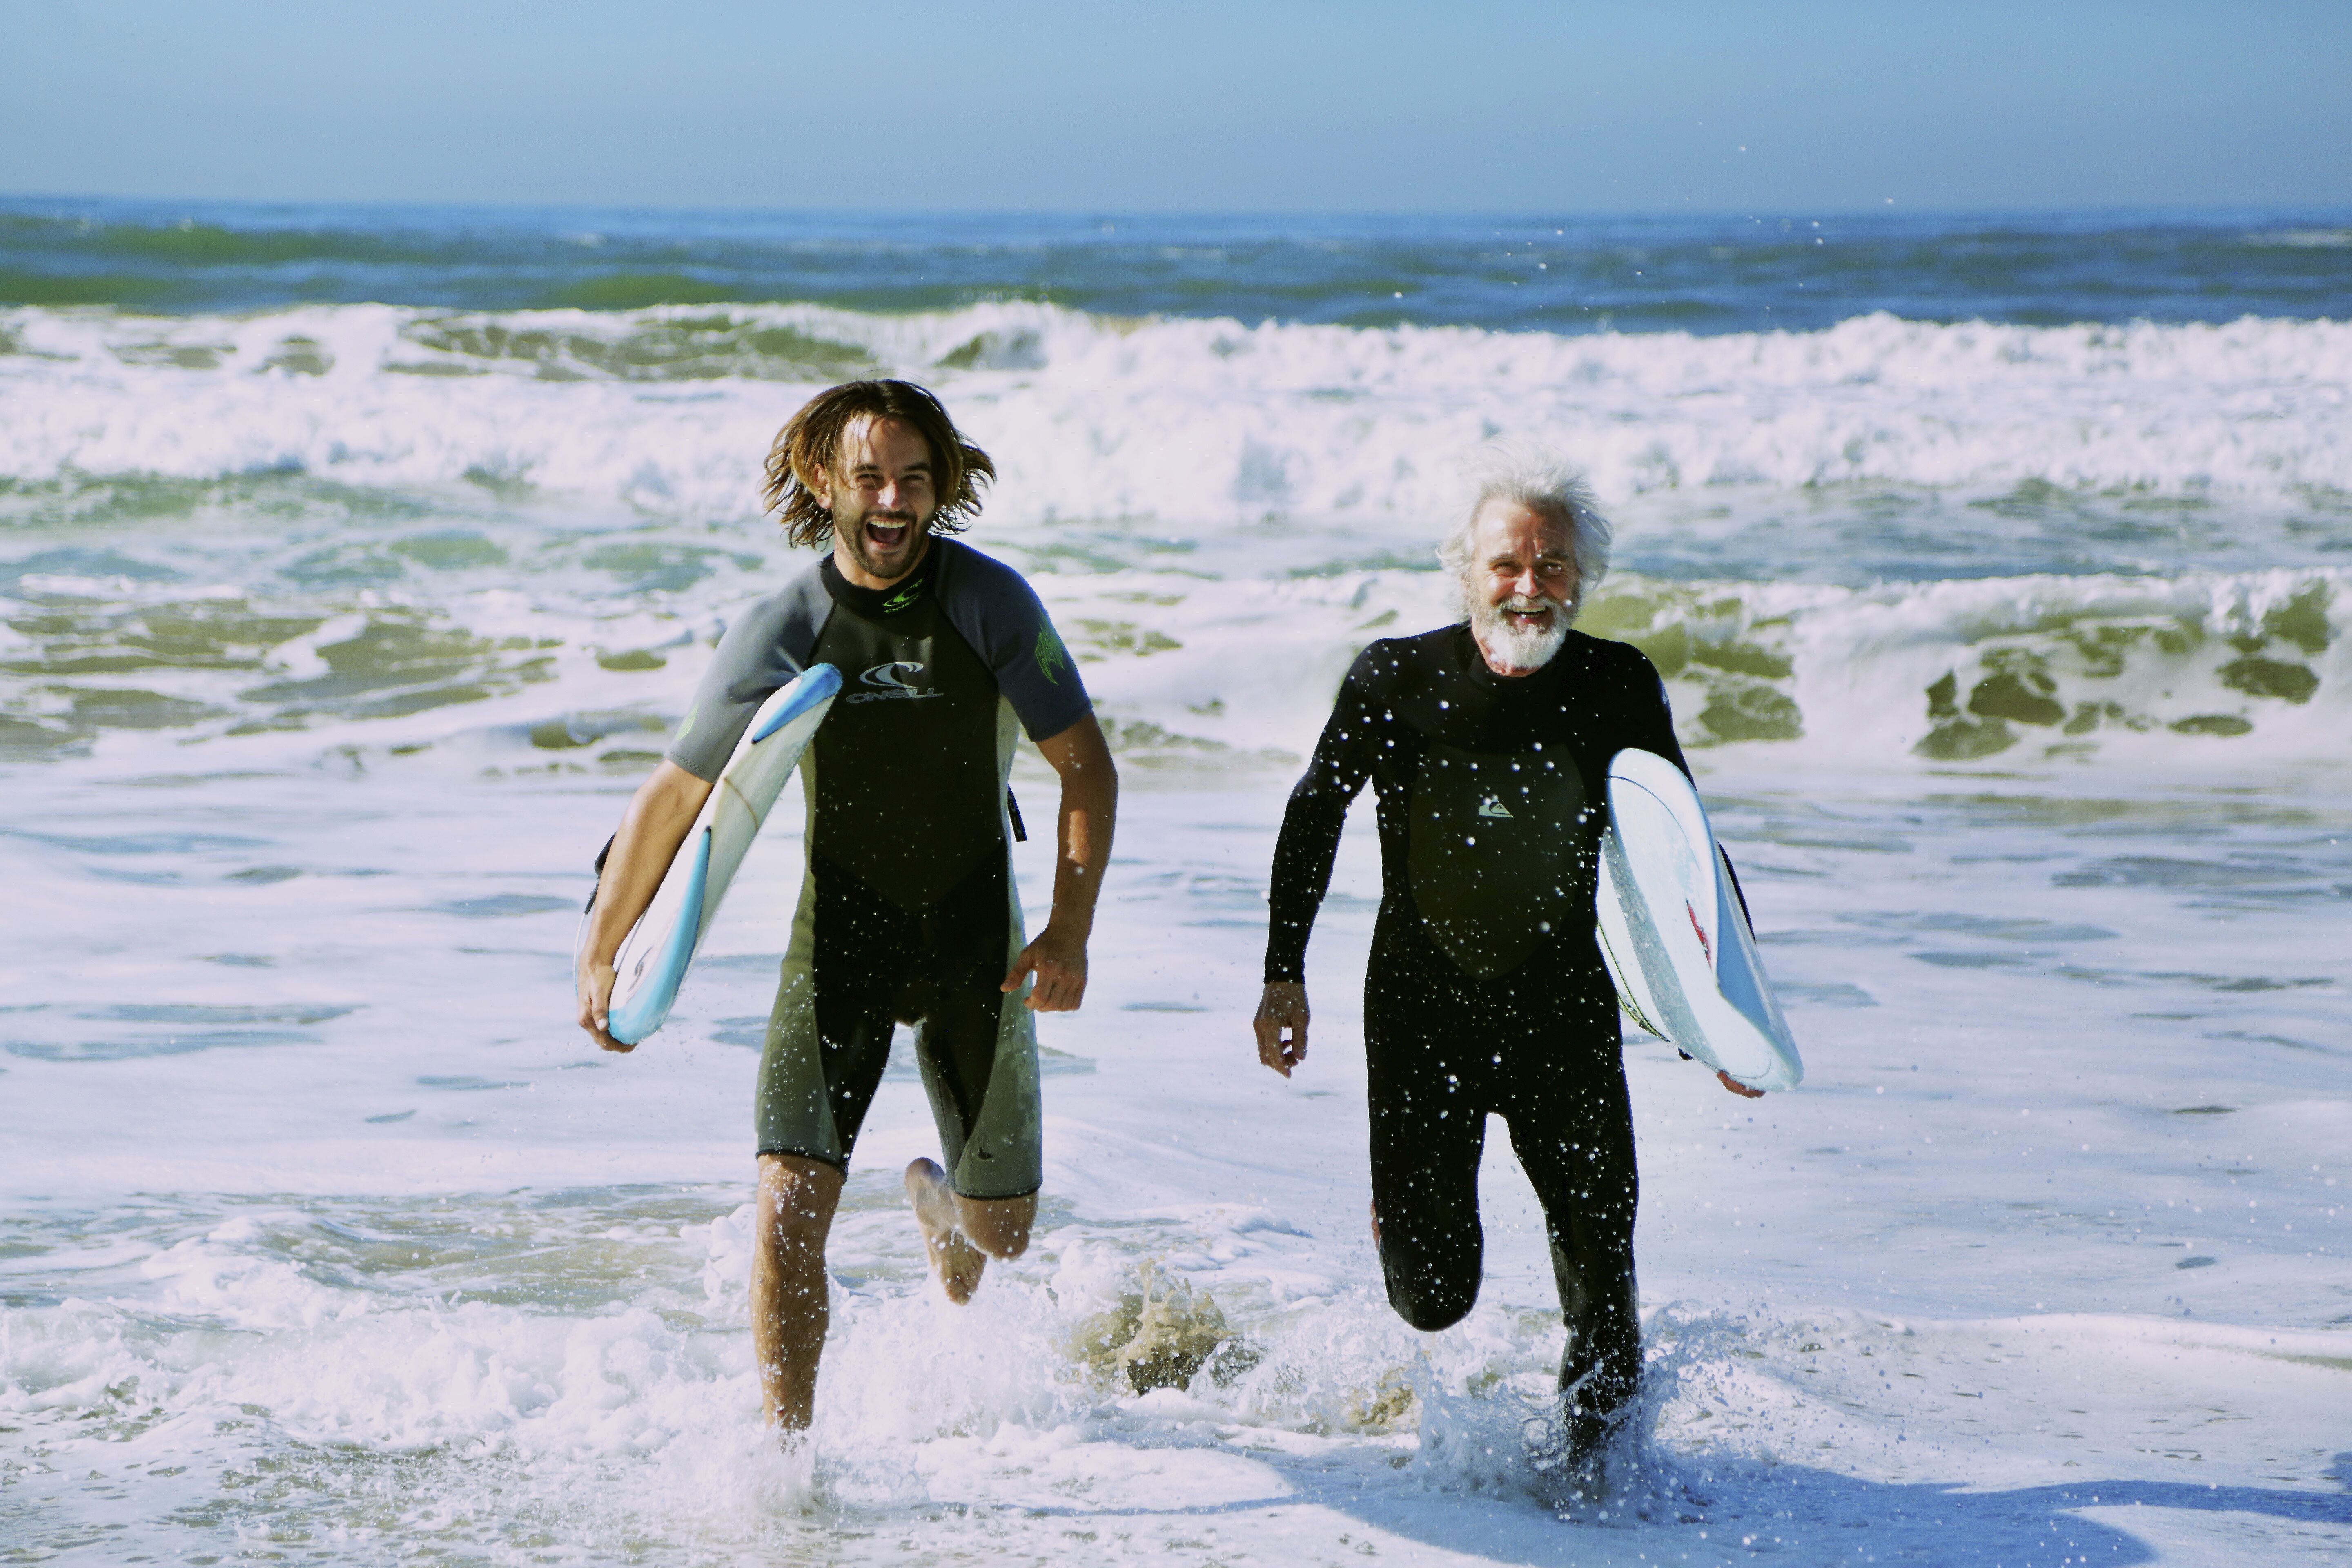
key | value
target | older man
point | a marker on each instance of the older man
(1488, 743)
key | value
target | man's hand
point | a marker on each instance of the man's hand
(594, 984)
(1281, 1025)
(1059, 963)
(1738, 1087)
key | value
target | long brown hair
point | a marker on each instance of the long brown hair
(809, 443)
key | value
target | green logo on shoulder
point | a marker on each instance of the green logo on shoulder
(1052, 657)
(902, 598)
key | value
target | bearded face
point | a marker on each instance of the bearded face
(1519, 585)
(882, 494)
(1520, 630)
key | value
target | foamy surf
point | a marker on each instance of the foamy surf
(668, 410)
(2201, 670)
(417, 1419)
(1903, 542)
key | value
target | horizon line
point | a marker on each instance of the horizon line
(1892, 207)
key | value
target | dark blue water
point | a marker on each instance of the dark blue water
(1560, 274)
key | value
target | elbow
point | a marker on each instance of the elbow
(671, 791)
(1100, 791)
(1096, 771)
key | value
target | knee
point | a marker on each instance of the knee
(1426, 1301)
(1000, 1227)
(1004, 1248)
(797, 1197)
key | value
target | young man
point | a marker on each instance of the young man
(1488, 743)
(908, 912)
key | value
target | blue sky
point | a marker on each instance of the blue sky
(1219, 105)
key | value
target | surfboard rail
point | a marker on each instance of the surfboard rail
(645, 1005)
(1672, 933)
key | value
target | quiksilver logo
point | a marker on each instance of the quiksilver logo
(1490, 807)
(892, 683)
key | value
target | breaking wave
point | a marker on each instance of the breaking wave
(1885, 544)
(668, 410)
(2200, 667)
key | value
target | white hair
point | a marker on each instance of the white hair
(1546, 484)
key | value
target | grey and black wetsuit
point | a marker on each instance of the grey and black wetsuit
(908, 912)
(1485, 992)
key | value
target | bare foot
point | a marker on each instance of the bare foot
(958, 1261)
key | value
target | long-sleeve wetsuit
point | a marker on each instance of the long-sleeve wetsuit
(1486, 992)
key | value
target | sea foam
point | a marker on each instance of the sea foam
(669, 410)
(1895, 541)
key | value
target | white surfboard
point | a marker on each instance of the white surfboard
(655, 956)
(1674, 936)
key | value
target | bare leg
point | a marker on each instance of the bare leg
(962, 1234)
(797, 1197)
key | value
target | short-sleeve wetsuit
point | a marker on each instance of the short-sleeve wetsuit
(907, 911)
(1485, 992)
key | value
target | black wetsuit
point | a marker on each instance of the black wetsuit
(1486, 992)
(908, 914)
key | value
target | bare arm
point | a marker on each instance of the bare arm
(1089, 805)
(656, 824)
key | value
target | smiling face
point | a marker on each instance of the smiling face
(882, 491)
(1520, 583)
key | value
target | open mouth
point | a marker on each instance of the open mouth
(886, 535)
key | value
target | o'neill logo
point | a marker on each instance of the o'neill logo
(892, 683)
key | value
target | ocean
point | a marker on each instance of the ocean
(353, 563)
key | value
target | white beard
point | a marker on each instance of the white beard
(1520, 646)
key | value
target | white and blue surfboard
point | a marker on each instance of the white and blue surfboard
(655, 956)
(1672, 934)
